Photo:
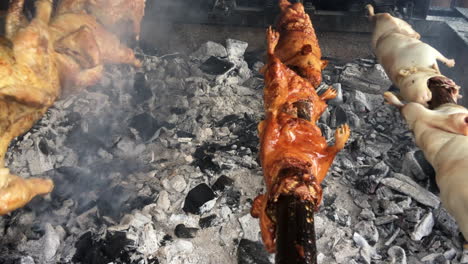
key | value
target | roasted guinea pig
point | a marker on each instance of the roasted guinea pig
(123, 17)
(442, 134)
(290, 140)
(83, 46)
(298, 46)
(409, 63)
(29, 84)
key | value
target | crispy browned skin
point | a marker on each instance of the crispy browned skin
(83, 46)
(16, 192)
(29, 84)
(122, 17)
(290, 140)
(298, 47)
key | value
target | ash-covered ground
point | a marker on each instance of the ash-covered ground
(160, 165)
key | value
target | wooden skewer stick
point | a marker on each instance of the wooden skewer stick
(295, 233)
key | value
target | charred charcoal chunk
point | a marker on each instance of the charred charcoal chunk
(141, 91)
(233, 198)
(204, 157)
(197, 197)
(181, 231)
(114, 202)
(146, 125)
(183, 134)
(222, 183)
(250, 252)
(367, 184)
(216, 66)
(94, 251)
(206, 222)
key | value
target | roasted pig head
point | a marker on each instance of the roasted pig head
(294, 155)
(122, 17)
(298, 46)
(442, 134)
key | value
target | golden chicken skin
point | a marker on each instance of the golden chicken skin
(298, 46)
(290, 140)
(29, 84)
(123, 17)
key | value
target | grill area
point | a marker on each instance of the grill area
(160, 164)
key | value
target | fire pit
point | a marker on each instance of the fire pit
(160, 165)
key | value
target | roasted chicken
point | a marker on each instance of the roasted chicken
(83, 46)
(290, 141)
(29, 84)
(298, 46)
(123, 17)
(409, 63)
(442, 134)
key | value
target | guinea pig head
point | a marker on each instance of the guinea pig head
(456, 118)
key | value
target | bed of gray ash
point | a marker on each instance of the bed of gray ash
(161, 165)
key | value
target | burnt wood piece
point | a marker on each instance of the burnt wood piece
(295, 232)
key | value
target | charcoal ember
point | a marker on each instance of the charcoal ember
(177, 68)
(141, 90)
(369, 101)
(181, 231)
(197, 197)
(84, 144)
(204, 157)
(207, 221)
(250, 252)
(397, 254)
(406, 185)
(367, 184)
(209, 49)
(338, 100)
(146, 125)
(414, 164)
(92, 250)
(340, 216)
(233, 198)
(368, 230)
(381, 170)
(116, 201)
(424, 227)
(369, 80)
(77, 184)
(446, 222)
(236, 48)
(222, 183)
(338, 117)
(216, 66)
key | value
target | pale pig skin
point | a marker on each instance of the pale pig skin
(442, 136)
(408, 62)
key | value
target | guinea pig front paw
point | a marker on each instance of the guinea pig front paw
(450, 63)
